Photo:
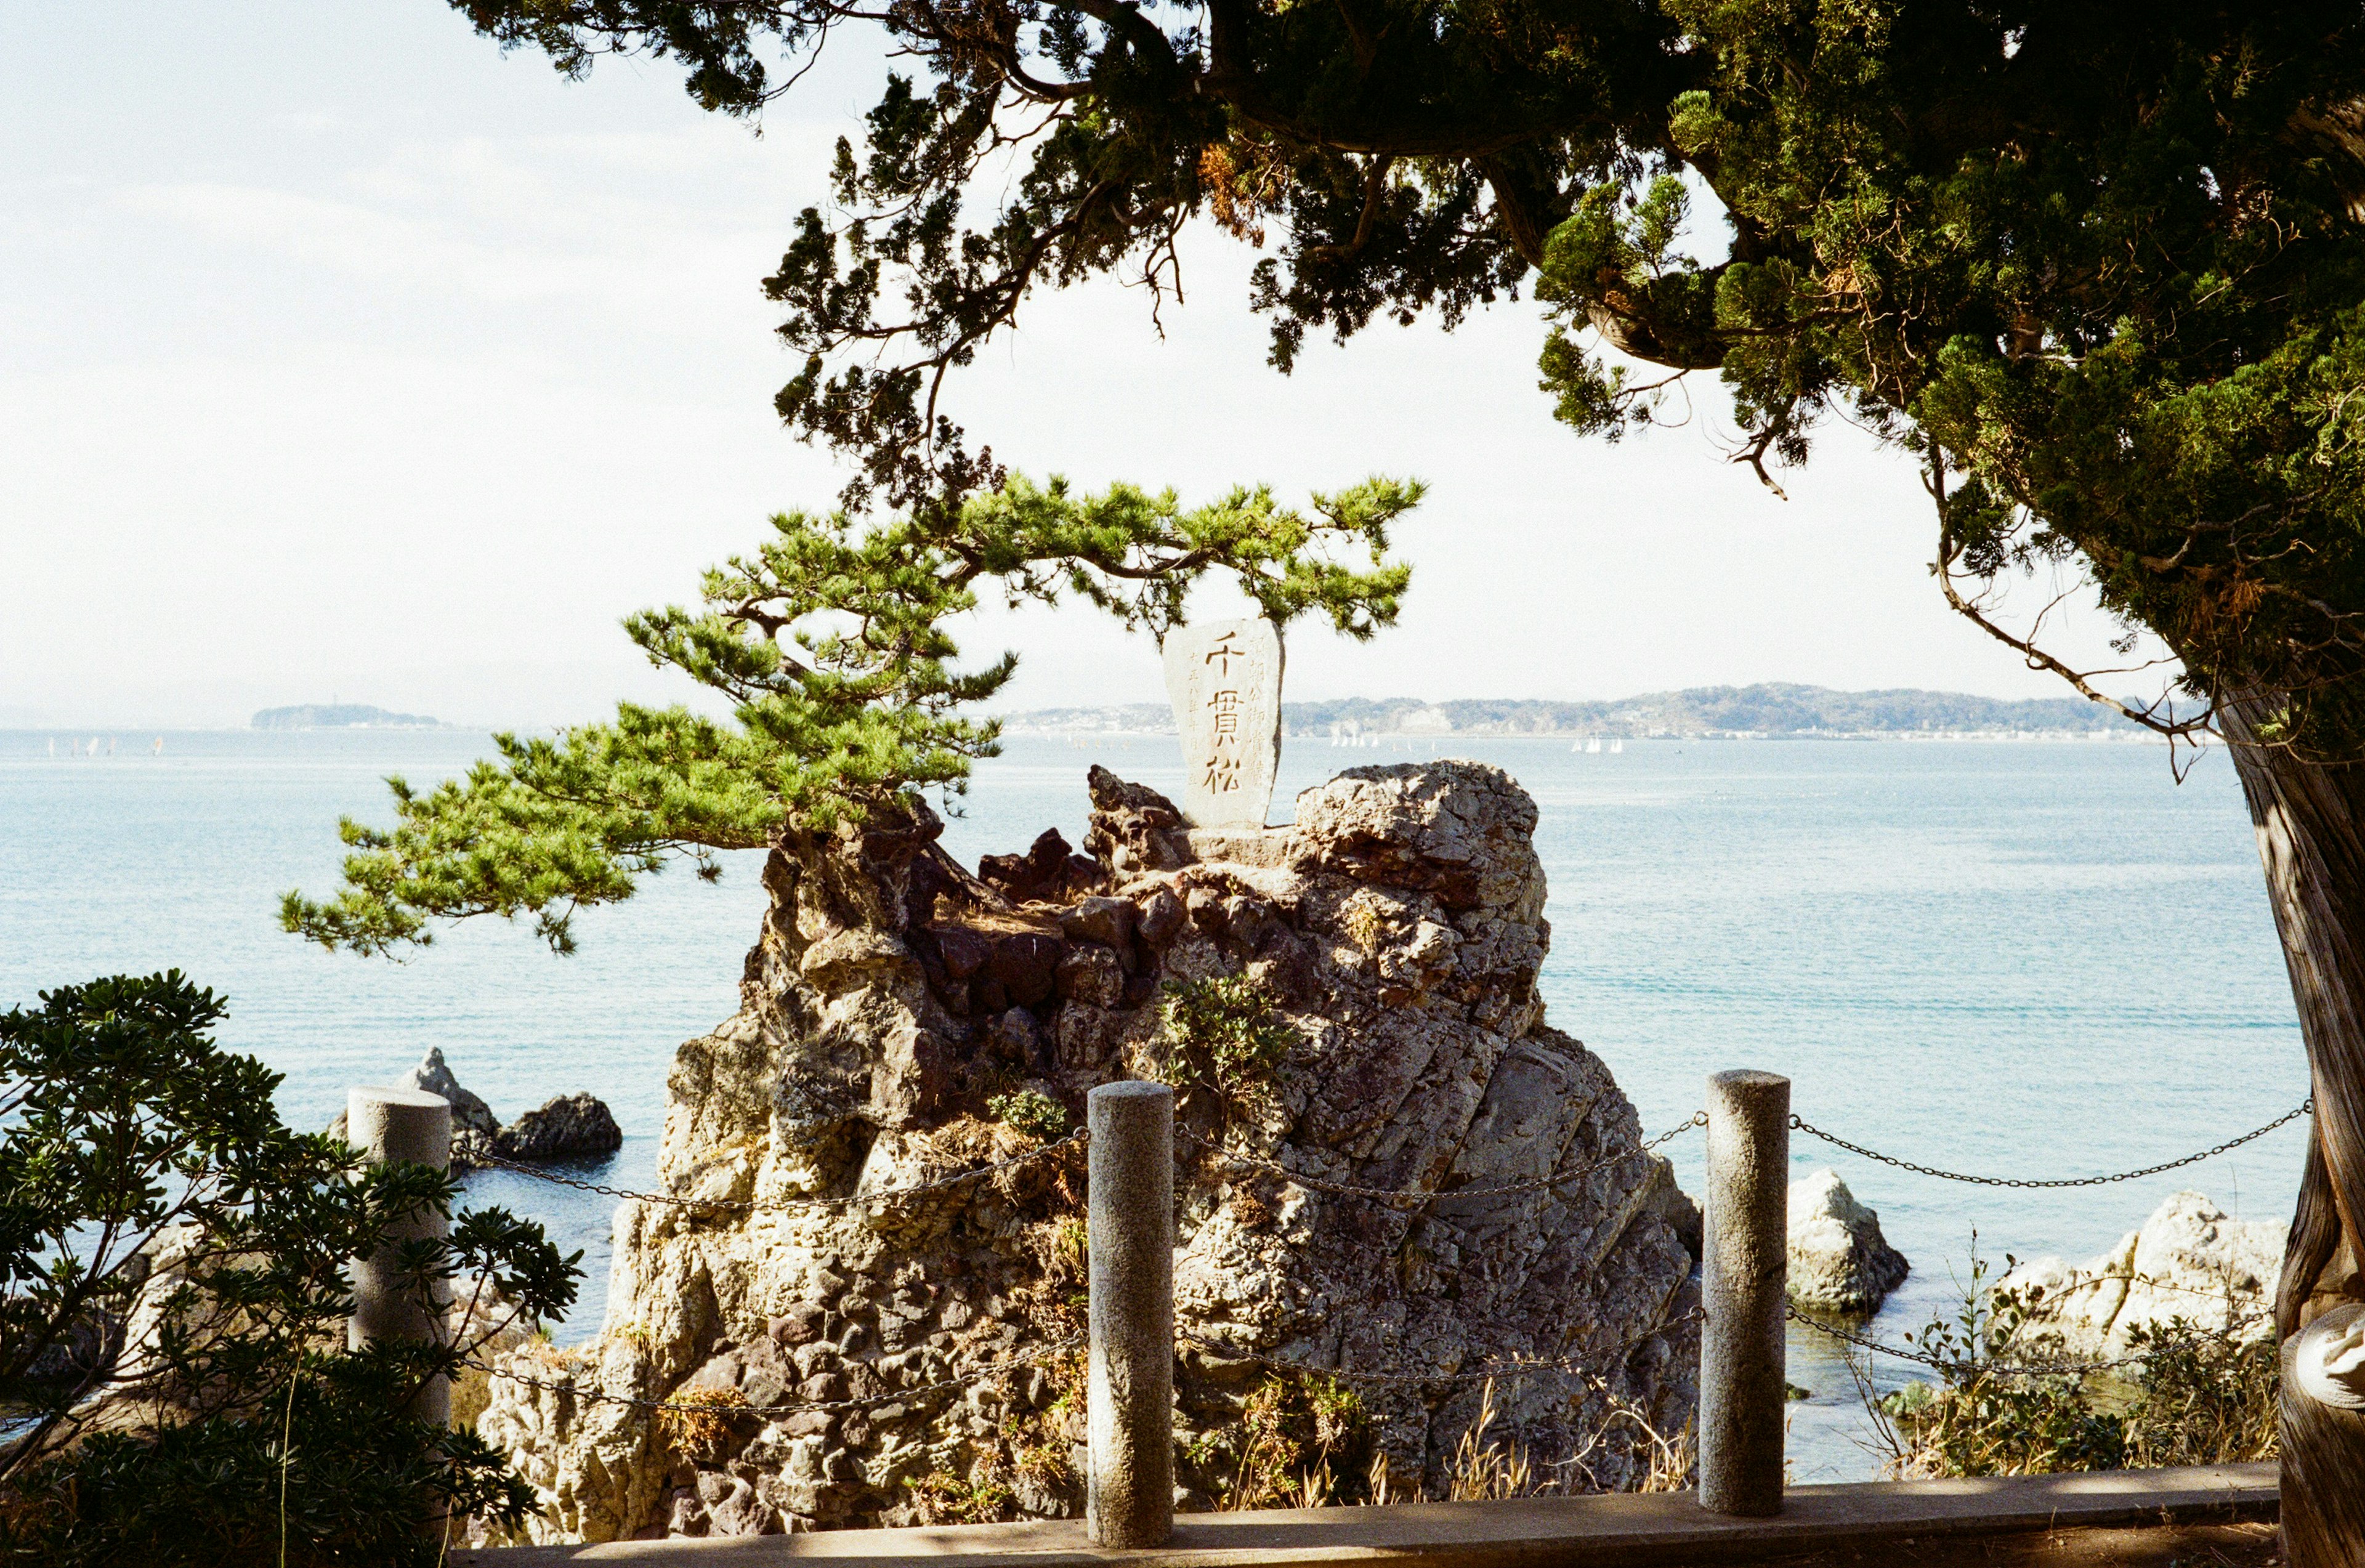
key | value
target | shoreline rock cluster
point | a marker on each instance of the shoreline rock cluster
(565, 1126)
(898, 1006)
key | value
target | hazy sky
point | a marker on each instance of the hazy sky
(342, 356)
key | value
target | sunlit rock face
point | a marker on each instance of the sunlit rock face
(2190, 1260)
(895, 999)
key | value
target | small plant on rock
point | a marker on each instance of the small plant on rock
(944, 1499)
(1031, 1112)
(1227, 1027)
(1298, 1443)
(698, 1423)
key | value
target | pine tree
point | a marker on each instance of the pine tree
(832, 646)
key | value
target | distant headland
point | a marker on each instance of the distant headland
(1701, 712)
(340, 716)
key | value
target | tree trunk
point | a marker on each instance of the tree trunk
(2311, 824)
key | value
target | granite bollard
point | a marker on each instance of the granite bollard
(1130, 1399)
(413, 1126)
(1744, 1269)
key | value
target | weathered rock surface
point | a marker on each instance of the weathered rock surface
(2189, 1261)
(1398, 927)
(1839, 1259)
(568, 1126)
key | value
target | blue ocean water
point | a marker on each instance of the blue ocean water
(2030, 959)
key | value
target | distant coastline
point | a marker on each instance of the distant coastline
(1767, 712)
(340, 716)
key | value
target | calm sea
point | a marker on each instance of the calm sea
(2030, 959)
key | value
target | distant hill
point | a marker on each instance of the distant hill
(1769, 709)
(340, 716)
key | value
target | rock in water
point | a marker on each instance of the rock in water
(569, 1125)
(1839, 1259)
(899, 1015)
(473, 1123)
(2189, 1261)
(467, 1110)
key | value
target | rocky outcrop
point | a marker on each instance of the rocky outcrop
(2189, 1261)
(565, 1127)
(1839, 1261)
(894, 1000)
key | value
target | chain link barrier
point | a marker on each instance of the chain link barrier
(1799, 1123)
(968, 1379)
(778, 1205)
(1587, 1367)
(2230, 1335)
(1426, 1195)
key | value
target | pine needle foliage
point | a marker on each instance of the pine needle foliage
(832, 643)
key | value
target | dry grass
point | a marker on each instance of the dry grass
(698, 1423)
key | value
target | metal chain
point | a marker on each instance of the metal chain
(1800, 1124)
(600, 1396)
(1504, 1369)
(884, 1194)
(2019, 1369)
(1419, 1195)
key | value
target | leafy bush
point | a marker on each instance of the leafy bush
(139, 1164)
(2204, 1400)
(1031, 1112)
(2198, 1399)
(1228, 1028)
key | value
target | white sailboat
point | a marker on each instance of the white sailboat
(1592, 746)
(1616, 748)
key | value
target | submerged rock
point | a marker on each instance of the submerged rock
(894, 998)
(2189, 1259)
(1839, 1259)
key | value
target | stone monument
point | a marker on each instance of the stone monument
(1225, 679)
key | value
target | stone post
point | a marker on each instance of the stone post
(1129, 1496)
(415, 1127)
(1745, 1271)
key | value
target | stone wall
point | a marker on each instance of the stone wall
(893, 995)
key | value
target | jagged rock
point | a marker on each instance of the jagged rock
(1839, 1259)
(467, 1110)
(1398, 927)
(568, 1124)
(473, 1123)
(1049, 870)
(2189, 1261)
(1134, 827)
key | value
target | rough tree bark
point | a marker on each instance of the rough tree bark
(2310, 819)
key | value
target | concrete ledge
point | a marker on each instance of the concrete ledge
(2058, 1518)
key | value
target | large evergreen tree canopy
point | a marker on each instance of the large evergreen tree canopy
(2095, 266)
(832, 647)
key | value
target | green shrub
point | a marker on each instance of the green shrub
(2204, 1400)
(1226, 1028)
(245, 1432)
(2197, 1399)
(1031, 1112)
